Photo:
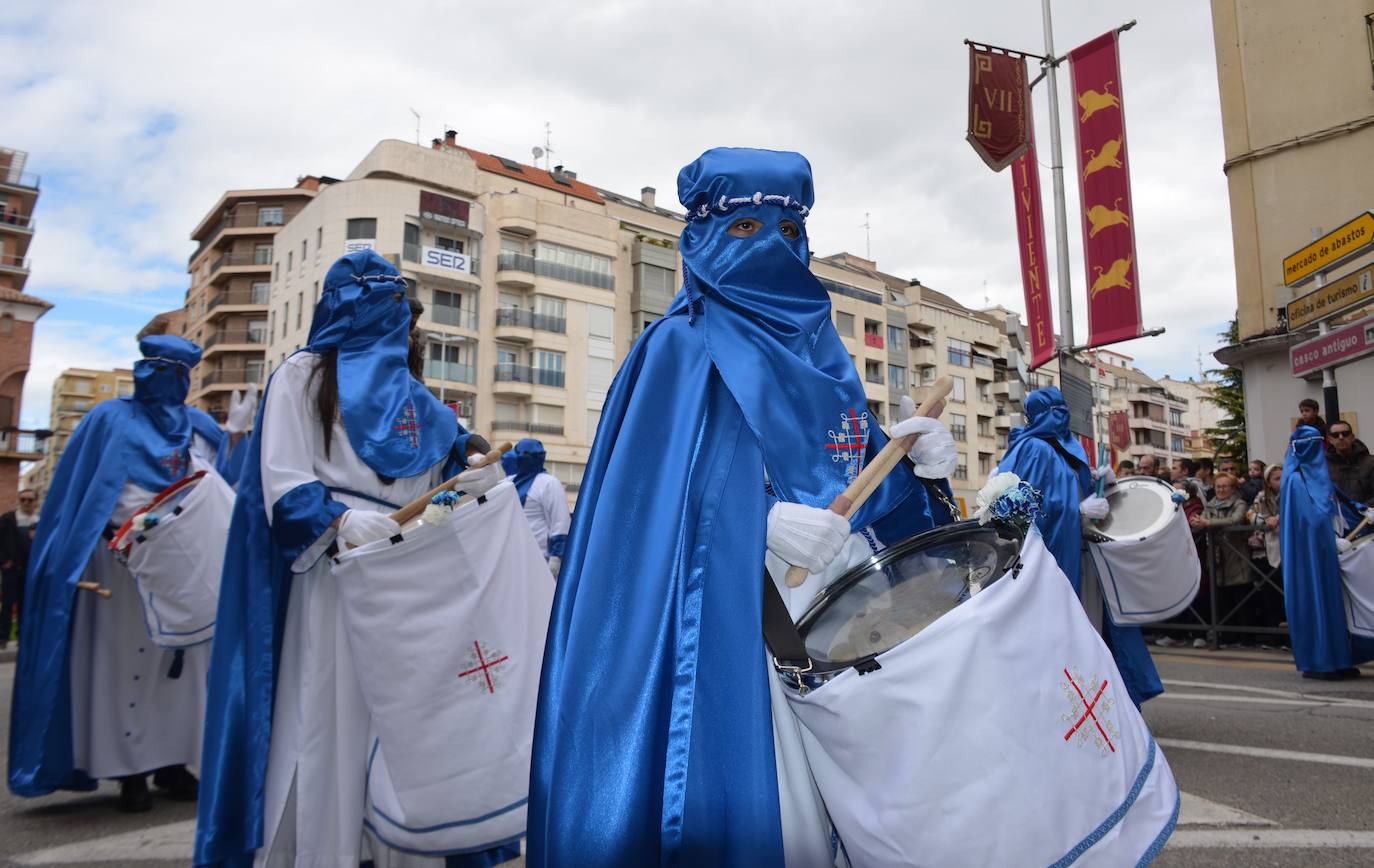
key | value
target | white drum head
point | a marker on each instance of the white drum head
(1141, 507)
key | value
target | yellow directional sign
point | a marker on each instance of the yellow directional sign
(1337, 296)
(1330, 250)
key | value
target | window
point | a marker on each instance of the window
(259, 292)
(262, 254)
(104, 387)
(81, 387)
(453, 244)
(600, 321)
(272, 326)
(448, 309)
(984, 464)
(656, 279)
(985, 391)
(288, 260)
(958, 427)
(555, 308)
(984, 426)
(844, 323)
(362, 227)
(895, 335)
(305, 245)
(957, 394)
(960, 353)
(575, 266)
(257, 331)
(300, 306)
(961, 469)
(507, 356)
(410, 248)
(285, 315)
(319, 241)
(928, 375)
(896, 377)
(548, 368)
(593, 421)
(453, 362)
(568, 474)
(1176, 442)
(873, 371)
(252, 370)
(270, 217)
(1176, 418)
(1001, 441)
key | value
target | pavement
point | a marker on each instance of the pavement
(1275, 771)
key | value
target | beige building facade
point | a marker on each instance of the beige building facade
(1297, 103)
(74, 392)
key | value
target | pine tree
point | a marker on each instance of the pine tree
(1228, 438)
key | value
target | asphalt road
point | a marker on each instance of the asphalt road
(1276, 771)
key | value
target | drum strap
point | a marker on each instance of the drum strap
(780, 633)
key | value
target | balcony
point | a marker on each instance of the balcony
(450, 372)
(1012, 390)
(520, 324)
(228, 340)
(459, 317)
(20, 445)
(246, 220)
(527, 427)
(922, 356)
(23, 180)
(874, 340)
(229, 378)
(14, 264)
(507, 372)
(237, 300)
(252, 261)
(15, 222)
(515, 269)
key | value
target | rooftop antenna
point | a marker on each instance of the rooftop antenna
(417, 125)
(987, 302)
(868, 237)
(548, 143)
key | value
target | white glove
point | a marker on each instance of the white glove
(1093, 507)
(1343, 545)
(360, 527)
(479, 480)
(241, 409)
(1369, 514)
(805, 536)
(934, 452)
(555, 564)
(1105, 473)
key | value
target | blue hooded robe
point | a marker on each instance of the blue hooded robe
(527, 462)
(1045, 454)
(144, 439)
(1311, 570)
(362, 314)
(653, 740)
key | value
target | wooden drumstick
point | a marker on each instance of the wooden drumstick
(95, 588)
(417, 506)
(1364, 522)
(871, 477)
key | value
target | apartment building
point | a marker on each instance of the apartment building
(226, 305)
(74, 392)
(19, 311)
(1202, 414)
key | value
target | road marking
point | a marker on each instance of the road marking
(1268, 753)
(171, 842)
(1249, 700)
(1197, 811)
(1269, 691)
(1271, 839)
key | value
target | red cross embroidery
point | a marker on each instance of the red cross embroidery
(176, 463)
(408, 427)
(484, 666)
(1088, 711)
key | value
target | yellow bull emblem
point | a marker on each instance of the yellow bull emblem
(1101, 217)
(1103, 159)
(1092, 102)
(1113, 277)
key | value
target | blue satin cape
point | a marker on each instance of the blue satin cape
(1046, 455)
(144, 439)
(1311, 571)
(653, 741)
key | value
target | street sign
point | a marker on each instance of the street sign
(1076, 384)
(1336, 347)
(1340, 295)
(1328, 251)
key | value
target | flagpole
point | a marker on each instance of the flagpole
(1061, 221)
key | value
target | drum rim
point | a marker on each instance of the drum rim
(878, 560)
(121, 539)
(1094, 535)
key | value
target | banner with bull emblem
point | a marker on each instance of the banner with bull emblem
(1104, 187)
(998, 97)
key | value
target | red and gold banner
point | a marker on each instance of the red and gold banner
(1104, 187)
(1119, 430)
(1030, 236)
(998, 98)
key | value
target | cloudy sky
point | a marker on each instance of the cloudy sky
(139, 114)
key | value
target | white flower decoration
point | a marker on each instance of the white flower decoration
(998, 484)
(436, 514)
(140, 522)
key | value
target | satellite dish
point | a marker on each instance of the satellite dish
(538, 152)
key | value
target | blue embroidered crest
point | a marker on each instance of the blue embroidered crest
(408, 426)
(176, 463)
(850, 442)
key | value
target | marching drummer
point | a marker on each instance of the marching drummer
(544, 499)
(1045, 454)
(655, 735)
(346, 434)
(94, 698)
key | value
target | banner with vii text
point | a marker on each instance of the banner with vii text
(1030, 237)
(1104, 187)
(998, 101)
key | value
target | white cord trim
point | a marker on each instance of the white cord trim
(725, 204)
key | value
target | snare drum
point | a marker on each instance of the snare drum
(174, 547)
(1143, 553)
(950, 710)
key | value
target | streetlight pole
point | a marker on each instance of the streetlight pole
(1061, 220)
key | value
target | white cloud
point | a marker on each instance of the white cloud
(70, 343)
(140, 115)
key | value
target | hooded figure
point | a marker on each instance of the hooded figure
(1322, 645)
(286, 750)
(93, 696)
(1045, 454)
(544, 499)
(654, 739)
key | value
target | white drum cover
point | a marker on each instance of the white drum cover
(177, 562)
(447, 631)
(1002, 734)
(1146, 581)
(1357, 586)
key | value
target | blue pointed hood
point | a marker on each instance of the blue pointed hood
(528, 462)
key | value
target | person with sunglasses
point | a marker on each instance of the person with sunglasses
(1349, 461)
(16, 536)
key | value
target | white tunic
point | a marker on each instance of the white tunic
(546, 509)
(128, 716)
(317, 762)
